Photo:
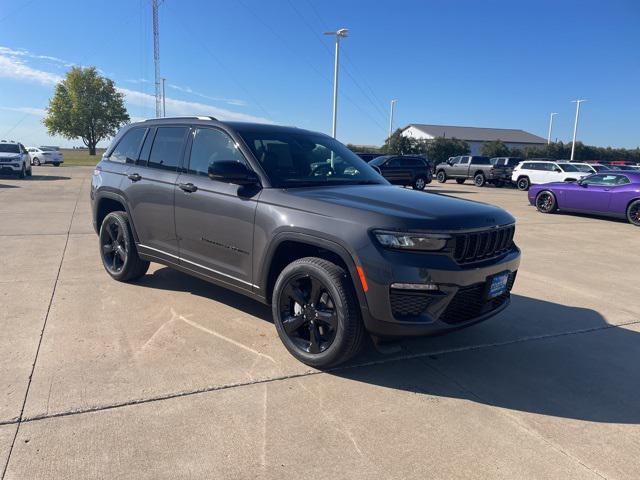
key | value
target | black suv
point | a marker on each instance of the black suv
(294, 219)
(405, 170)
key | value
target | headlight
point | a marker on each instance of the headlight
(429, 242)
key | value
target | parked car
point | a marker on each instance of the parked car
(336, 252)
(463, 167)
(44, 155)
(534, 172)
(624, 168)
(367, 156)
(14, 159)
(404, 170)
(614, 193)
(503, 168)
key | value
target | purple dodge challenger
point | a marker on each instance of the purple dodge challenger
(615, 193)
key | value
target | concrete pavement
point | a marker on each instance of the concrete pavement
(174, 378)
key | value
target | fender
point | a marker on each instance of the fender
(113, 195)
(349, 259)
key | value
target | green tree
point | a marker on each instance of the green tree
(398, 144)
(86, 105)
(440, 149)
(496, 148)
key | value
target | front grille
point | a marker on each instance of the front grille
(476, 246)
(470, 302)
(408, 304)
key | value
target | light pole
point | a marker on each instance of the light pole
(393, 105)
(164, 106)
(338, 34)
(575, 125)
(553, 114)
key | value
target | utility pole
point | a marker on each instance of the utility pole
(156, 54)
(164, 105)
(575, 125)
(338, 34)
(553, 114)
(393, 105)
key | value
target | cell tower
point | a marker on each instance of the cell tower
(156, 57)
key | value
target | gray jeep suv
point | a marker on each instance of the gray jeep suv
(294, 219)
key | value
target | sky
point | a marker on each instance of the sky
(502, 64)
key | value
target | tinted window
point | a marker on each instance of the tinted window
(393, 163)
(480, 161)
(512, 162)
(622, 180)
(583, 168)
(167, 148)
(210, 146)
(412, 162)
(528, 166)
(378, 161)
(464, 160)
(567, 167)
(128, 147)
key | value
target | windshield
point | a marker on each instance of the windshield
(9, 148)
(301, 159)
(379, 160)
(567, 167)
(583, 168)
(47, 149)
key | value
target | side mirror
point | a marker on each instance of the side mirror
(377, 169)
(557, 170)
(231, 171)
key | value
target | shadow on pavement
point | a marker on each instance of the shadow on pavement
(592, 375)
(2, 185)
(39, 178)
(445, 191)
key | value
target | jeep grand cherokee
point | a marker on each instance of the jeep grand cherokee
(294, 219)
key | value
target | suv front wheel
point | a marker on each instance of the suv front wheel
(118, 249)
(316, 312)
(441, 176)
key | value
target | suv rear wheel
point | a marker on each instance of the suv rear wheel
(523, 183)
(479, 180)
(419, 183)
(441, 176)
(316, 313)
(118, 249)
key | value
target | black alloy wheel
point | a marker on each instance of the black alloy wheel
(316, 312)
(441, 176)
(633, 213)
(308, 314)
(118, 249)
(546, 202)
(114, 249)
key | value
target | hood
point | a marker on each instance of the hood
(11, 156)
(398, 207)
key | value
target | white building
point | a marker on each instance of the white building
(475, 136)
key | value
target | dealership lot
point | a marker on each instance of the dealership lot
(172, 377)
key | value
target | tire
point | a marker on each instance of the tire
(523, 184)
(319, 286)
(121, 262)
(23, 171)
(30, 171)
(419, 183)
(460, 181)
(546, 202)
(57, 164)
(441, 176)
(479, 180)
(36, 162)
(633, 213)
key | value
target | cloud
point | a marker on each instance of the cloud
(21, 52)
(39, 112)
(12, 65)
(229, 101)
(184, 108)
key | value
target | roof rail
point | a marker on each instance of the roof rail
(194, 117)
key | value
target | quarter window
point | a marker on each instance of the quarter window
(167, 148)
(128, 147)
(210, 146)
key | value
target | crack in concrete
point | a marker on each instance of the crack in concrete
(44, 326)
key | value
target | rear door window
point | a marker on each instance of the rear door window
(168, 145)
(128, 147)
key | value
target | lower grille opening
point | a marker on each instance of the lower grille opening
(405, 304)
(469, 302)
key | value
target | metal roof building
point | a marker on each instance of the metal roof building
(474, 136)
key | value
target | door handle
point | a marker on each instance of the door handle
(187, 187)
(134, 177)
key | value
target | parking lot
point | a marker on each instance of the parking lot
(172, 377)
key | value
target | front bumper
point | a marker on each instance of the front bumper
(459, 301)
(13, 167)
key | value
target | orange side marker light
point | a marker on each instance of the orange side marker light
(363, 279)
